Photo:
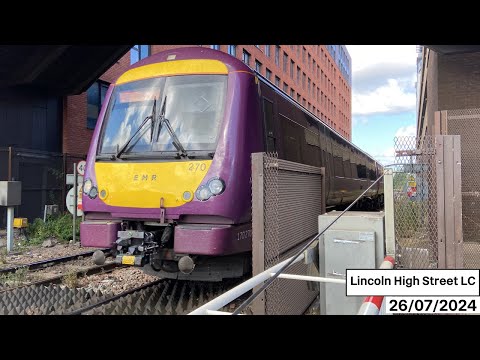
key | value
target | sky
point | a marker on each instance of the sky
(383, 97)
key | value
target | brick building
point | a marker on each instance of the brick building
(316, 76)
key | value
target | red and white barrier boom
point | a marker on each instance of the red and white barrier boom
(372, 304)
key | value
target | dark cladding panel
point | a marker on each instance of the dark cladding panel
(30, 122)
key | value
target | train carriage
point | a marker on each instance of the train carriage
(167, 181)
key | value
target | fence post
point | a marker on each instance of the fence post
(449, 201)
(457, 202)
(258, 235)
(389, 212)
(74, 200)
(10, 152)
(64, 185)
(440, 202)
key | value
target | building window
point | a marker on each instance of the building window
(277, 81)
(309, 85)
(215, 47)
(258, 66)
(304, 80)
(298, 98)
(303, 53)
(292, 68)
(277, 55)
(246, 57)
(268, 74)
(285, 88)
(139, 52)
(285, 62)
(95, 96)
(292, 93)
(232, 50)
(298, 75)
(267, 50)
(304, 102)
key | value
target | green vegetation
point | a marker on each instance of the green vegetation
(70, 279)
(411, 217)
(3, 256)
(59, 228)
(16, 278)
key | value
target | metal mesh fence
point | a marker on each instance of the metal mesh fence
(273, 300)
(415, 203)
(466, 123)
(290, 200)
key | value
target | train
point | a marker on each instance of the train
(167, 183)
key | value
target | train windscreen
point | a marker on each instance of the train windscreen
(160, 115)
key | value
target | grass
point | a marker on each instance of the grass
(16, 278)
(70, 279)
(3, 256)
(59, 228)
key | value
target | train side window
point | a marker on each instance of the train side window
(290, 141)
(362, 171)
(270, 137)
(354, 170)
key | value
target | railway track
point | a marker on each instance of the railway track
(49, 262)
(106, 268)
(160, 297)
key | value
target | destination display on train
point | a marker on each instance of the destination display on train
(418, 291)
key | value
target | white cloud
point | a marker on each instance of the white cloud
(383, 78)
(410, 130)
(390, 98)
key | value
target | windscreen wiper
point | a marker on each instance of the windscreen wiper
(150, 117)
(163, 120)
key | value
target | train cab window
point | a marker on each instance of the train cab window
(270, 137)
(193, 105)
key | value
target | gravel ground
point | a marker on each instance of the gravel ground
(117, 281)
(37, 253)
(66, 268)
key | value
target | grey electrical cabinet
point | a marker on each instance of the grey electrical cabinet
(10, 193)
(355, 241)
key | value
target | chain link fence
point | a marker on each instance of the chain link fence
(287, 199)
(466, 123)
(415, 203)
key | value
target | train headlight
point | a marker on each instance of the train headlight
(93, 193)
(87, 186)
(203, 193)
(216, 186)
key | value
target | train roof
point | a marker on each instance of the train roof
(194, 52)
(304, 109)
